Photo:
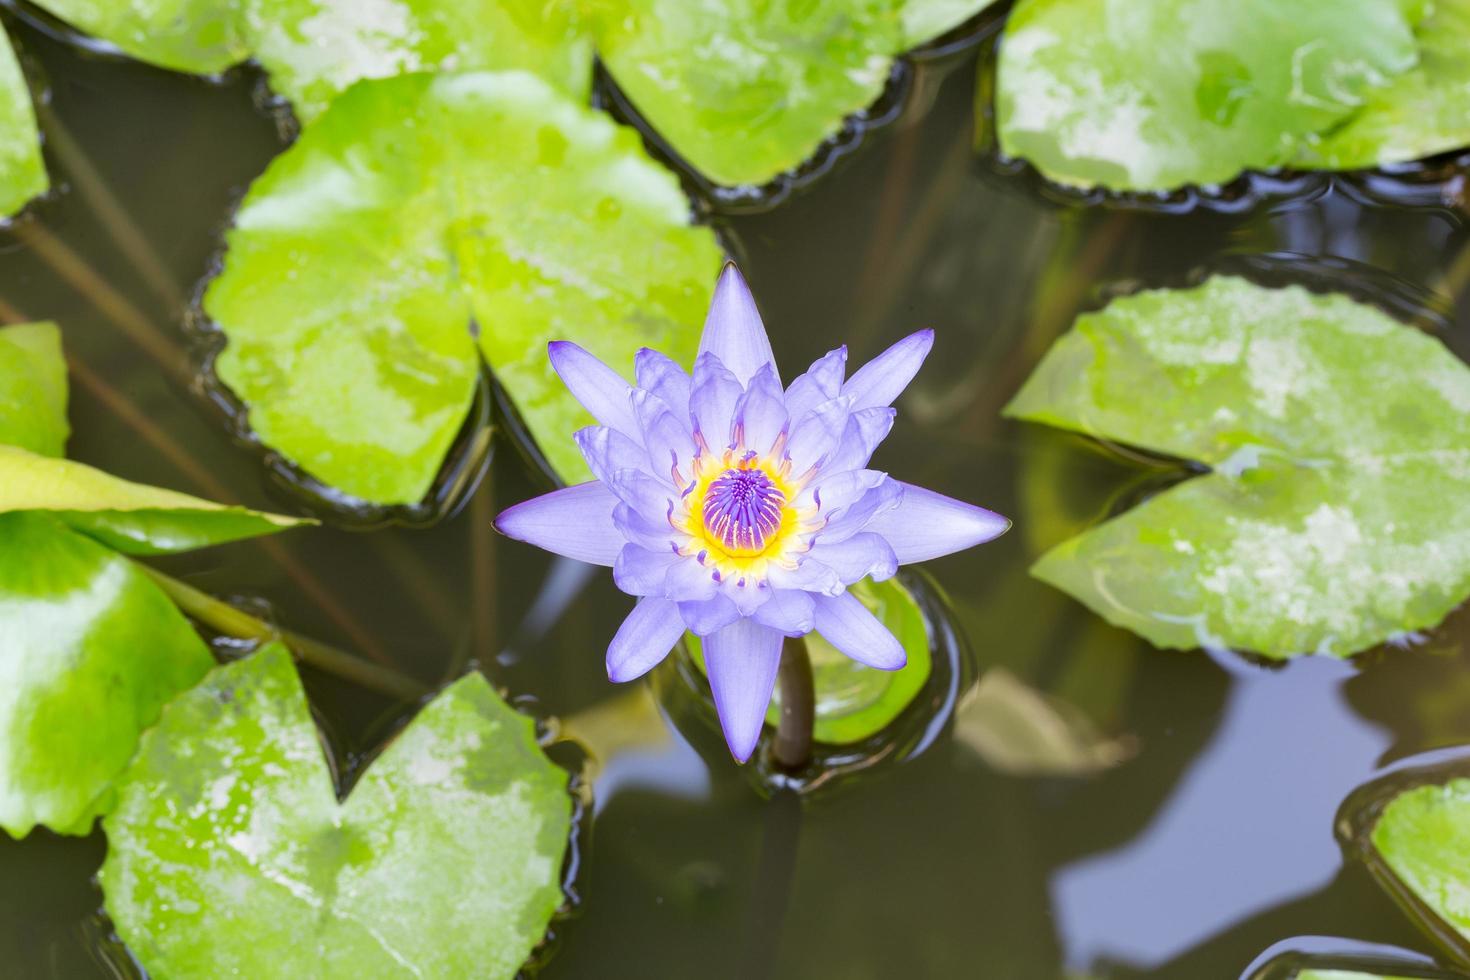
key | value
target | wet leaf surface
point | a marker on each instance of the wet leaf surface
(1339, 446)
(1154, 96)
(90, 651)
(229, 853)
(418, 212)
(1423, 837)
(746, 91)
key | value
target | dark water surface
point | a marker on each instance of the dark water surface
(1214, 842)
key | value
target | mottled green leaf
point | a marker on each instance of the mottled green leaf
(421, 211)
(130, 517)
(1337, 511)
(230, 855)
(1423, 837)
(746, 90)
(1420, 113)
(202, 36)
(315, 49)
(22, 171)
(33, 389)
(1155, 95)
(90, 650)
(855, 702)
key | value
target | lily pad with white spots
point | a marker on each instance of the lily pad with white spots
(424, 222)
(1336, 511)
(229, 853)
(745, 91)
(1155, 95)
(855, 702)
(90, 651)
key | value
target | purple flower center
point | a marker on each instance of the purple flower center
(743, 510)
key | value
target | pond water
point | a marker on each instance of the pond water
(1213, 842)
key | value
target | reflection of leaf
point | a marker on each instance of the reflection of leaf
(415, 207)
(1152, 96)
(90, 650)
(854, 702)
(1419, 113)
(745, 91)
(1340, 442)
(229, 854)
(314, 49)
(32, 389)
(1018, 730)
(22, 171)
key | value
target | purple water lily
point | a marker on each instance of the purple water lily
(742, 512)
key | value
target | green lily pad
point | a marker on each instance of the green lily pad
(230, 855)
(130, 517)
(1419, 113)
(1152, 96)
(1336, 515)
(315, 49)
(745, 91)
(854, 702)
(33, 389)
(90, 651)
(1423, 837)
(417, 213)
(22, 171)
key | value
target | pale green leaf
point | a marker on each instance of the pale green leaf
(130, 517)
(1423, 837)
(90, 651)
(416, 212)
(230, 855)
(316, 49)
(854, 702)
(22, 171)
(33, 389)
(1337, 511)
(1420, 113)
(1153, 96)
(744, 90)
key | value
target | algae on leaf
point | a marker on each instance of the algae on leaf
(229, 853)
(424, 221)
(1336, 515)
(745, 91)
(1154, 95)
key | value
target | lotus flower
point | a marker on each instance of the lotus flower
(741, 511)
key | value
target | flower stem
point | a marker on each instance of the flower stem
(226, 619)
(792, 748)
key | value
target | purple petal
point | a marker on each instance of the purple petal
(689, 581)
(760, 415)
(652, 498)
(668, 440)
(600, 389)
(861, 556)
(741, 660)
(927, 525)
(733, 330)
(641, 571)
(653, 534)
(607, 450)
(645, 638)
(659, 374)
(856, 517)
(576, 522)
(865, 430)
(706, 616)
(788, 612)
(821, 383)
(817, 436)
(712, 401)
(747, 594)
(881, 380)
(840, 490)
(807, 576)
(845, 623)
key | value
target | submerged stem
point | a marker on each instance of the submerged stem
(226, 619)
(792, 748)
